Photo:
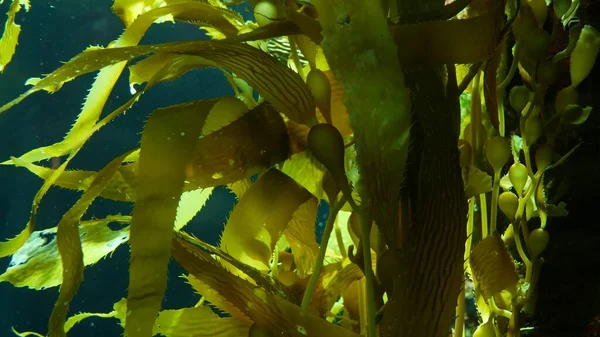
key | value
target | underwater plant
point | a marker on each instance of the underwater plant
(392, 112)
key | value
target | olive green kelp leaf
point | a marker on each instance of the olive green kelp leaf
(168, 139)
(281, 86)
(69, 245)
(37, 264)
(269, 311)
(250, 145)
(260, 217)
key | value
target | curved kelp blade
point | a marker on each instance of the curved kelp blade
(198, 322)
(168, 140)
(281, 86)
(269, 311)
(300, 234)
(37, 265)
(333, 280)
(120, 188)
(107, 77)
(260, 217)
(169, 71)
(69, 246)
(10, 36)
(250, 145)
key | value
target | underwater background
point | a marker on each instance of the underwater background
(56, 30)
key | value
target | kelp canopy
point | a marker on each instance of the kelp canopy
(360, 109)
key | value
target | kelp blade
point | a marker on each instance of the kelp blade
(281, 86)
(268, 310)
(250, 145)
(168, 140)
(69, 245)
(261, 216)
(37, 265)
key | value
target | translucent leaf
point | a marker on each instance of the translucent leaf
(260, 217)
(300, 234)
(70, 247)
(10, 36)
(168, 140)
(198, 322)
(250, 145)
(477, 182)
(268, 310)
(37, 264)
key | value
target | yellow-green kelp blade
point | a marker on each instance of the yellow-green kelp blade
(268, 310)
(281, 86)
(261, 216)
(37, 265)
(69, 246)
(168, 140)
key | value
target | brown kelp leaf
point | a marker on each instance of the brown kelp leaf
(250, 145)
(300, 234)
(198, 322)
(453, 41)
(260, 217)
(200, 13)
(216, 299)
(339, 113)
(306, 171)
(279, 85)
(269, 311)
(68, 242)
(37, 265)
(272, 30)
(10, 36)
(334, 278)
(493, 268)
(168, 140)
(254, 275)
(490, 86)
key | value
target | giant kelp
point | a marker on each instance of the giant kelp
(370, 122)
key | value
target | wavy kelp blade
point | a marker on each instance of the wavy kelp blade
(37, 265)
(190, 204)
(279, 85)
(69, 246)
(260, 217)
(216, 299)
(266, 309)
(272, 30)
(10, 36)
(250, 145)
(170, 71)
(453, 41)
(120, 188)
(306, 171)
(102, 86)
(334, 278)
(12, 245)
(492, 266)
(258, 277)
(168, 140)
(300, 234)
(199, 12)
(98, 94)
(198, 322)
